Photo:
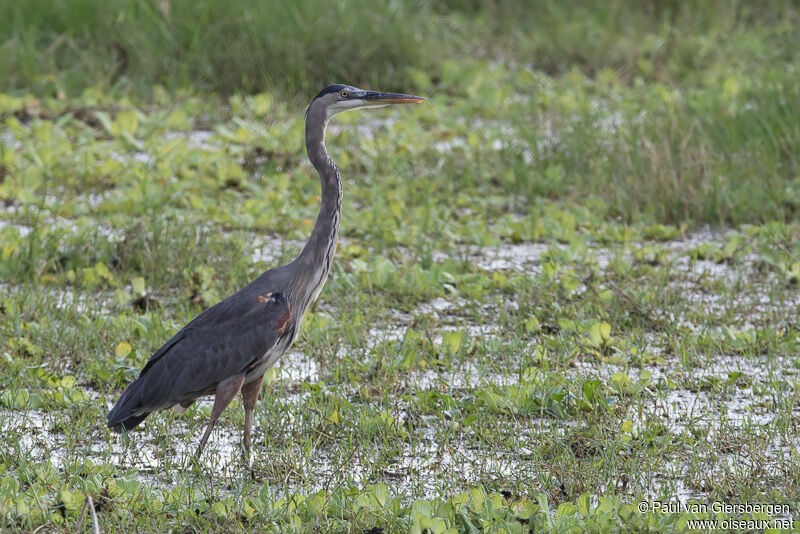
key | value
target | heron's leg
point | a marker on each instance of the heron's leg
(226, 391)
(249, 397)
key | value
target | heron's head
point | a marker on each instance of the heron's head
(337, 98)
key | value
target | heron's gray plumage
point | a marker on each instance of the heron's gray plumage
(195, 364)
(232, 344)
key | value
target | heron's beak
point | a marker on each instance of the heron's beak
(378, 98)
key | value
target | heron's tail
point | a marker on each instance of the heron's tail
(128, 412)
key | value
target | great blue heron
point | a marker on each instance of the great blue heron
(228, 347)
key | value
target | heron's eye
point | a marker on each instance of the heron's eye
(344, 94)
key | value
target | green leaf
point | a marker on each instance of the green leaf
(103, 272)
(620, 381)
(627, 426)
(605, 331)
(595, 337)
(73, 500)
(584, 505)
(451, 342)
(566, 509)
(126, 122)
(334, 417)
(590, 389)
(138, 285)
(105, 121)
(532, 324)
(123, 349)
(68, 382)
(15, 399)
(380, 492)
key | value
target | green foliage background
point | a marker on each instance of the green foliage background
(252, 45)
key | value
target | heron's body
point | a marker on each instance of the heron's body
(228, 347)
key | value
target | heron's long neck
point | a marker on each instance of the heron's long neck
(317, 255)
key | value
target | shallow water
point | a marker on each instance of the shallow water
(431, 462)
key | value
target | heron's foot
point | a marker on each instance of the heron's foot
(193, 463)
(247, 453)
(248, 459)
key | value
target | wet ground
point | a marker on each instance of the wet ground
(714, 398)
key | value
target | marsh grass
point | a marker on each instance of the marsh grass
(478, 357)
(675, 158)
(237, 46)
(53, 47)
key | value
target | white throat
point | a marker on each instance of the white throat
(343, 105)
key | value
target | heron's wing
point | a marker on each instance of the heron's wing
(232, 308)
(203, 358)
(195, 363)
